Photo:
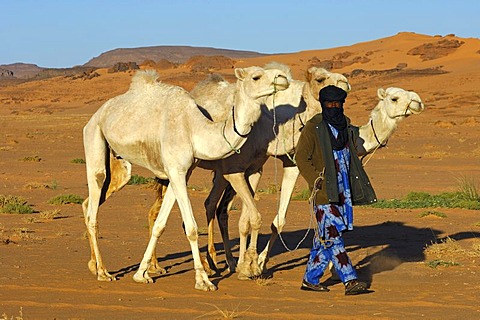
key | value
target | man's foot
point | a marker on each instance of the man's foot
(313, 287)
(354, 287)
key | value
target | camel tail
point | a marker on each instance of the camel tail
(143, 78)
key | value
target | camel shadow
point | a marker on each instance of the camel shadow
(399, 243)
(183, 263)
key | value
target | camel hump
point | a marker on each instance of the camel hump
(211, 83)
(144, 77)
(215, 77)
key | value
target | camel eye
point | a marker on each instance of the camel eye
(322, 80)
(256, 77)
(394, 99)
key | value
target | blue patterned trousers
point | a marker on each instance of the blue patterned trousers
(330, 248)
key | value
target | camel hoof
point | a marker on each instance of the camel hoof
(157, 269)
(242, 276)
(232, 265)
(205, 286)
(142, 277)
(106, 277)
(244, 271)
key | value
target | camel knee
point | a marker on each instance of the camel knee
(157, 230)
(100, 177)
(192, 233)
(92, 227)
(256, 222)
(244, 227)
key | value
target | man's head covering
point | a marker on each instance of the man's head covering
(332, 93)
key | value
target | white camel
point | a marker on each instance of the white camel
(395, 104)
(276, 133)
(160, 127)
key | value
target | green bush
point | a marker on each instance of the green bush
(302, 195)
(14, 204)
(78, 160)
(136, 179)
(66, 199)
(425, 200)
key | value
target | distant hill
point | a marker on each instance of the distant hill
(175, 54)
(21, 70)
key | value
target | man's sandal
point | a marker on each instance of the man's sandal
(313, 287)
(354, 287)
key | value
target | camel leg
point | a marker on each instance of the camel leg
(100, 176)
(222, 213)
(176, 190)
(250, 220)
(161, 188)
(158, 228)
(290, 175)
(118, 175)
(219, 184)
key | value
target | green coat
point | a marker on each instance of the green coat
(314, 153)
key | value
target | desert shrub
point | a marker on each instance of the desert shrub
(66, 199)
(136, 179)
(32, 159)
(439, 262)
(78, 160)
(14, 204)
(425, 200)
(433, 213)
(50, 214)
(270, 189)
(302, 195)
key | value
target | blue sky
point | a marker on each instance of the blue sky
(54, 33)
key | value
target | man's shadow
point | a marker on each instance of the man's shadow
(399, 243)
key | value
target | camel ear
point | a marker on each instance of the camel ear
(240, 73)
(381, 93)
(308, 74)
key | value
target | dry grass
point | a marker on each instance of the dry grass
(36, 185)
(448, 251)
(223, 314)
(19, 317)
(263, 282)
(31, 159)
(49, 214)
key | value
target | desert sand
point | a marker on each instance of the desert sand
(43, 262)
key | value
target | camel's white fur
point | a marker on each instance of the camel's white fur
(159, 127)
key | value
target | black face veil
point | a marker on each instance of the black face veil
(335, 116)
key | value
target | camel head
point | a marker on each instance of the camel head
(399, 103)
(255, 82)
(254, 85)
(318, 78)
